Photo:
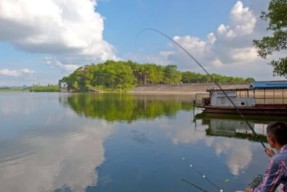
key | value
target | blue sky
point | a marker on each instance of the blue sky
(181, 17)
(42, 41)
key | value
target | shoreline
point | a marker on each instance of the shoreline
(184, 89)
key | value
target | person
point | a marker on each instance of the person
(276, 172)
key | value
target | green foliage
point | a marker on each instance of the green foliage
(171, 75)
(120, 76)
(48, 88)
(277, 22)
(249, 80)
(191, 77)
(110, 75)
(14, 89)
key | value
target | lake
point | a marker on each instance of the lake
(103, 143)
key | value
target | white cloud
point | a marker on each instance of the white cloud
(242, 22)
(228, 50)
(226, 31)
(55, 27)
(16, 73)
(228, 44)
(246, 54)
(190, 42)
(52, 61)
(243, 19)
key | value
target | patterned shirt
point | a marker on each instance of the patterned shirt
(276, 173)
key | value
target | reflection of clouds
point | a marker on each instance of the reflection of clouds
(189, 133)
(67, 160)
(221, 147)
(240, 156)
(188, 136)
(238, 152)
(17, 104)
(51, 118)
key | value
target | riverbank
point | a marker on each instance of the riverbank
(184, 89)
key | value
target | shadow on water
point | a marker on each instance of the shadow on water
(125, 107)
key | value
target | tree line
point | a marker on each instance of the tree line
(44, 88)
(124, 75)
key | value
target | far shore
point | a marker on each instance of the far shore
(184, 89)
(180, 89)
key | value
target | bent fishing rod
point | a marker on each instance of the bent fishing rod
(207, 73)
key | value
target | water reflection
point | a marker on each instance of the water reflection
(125, 107)
(25, 106)
(228, 126)
(120, 143)
(56, 151)
(140, 137)
(57, 162)
(239, 151)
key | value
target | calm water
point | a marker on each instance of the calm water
(105, 143)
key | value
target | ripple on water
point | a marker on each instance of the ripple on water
(13, 153)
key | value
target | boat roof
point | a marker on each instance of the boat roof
(237, 89)
(258, 85)
(269, 84)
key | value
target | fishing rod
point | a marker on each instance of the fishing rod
(207, 73)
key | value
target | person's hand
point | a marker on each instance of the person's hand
(269, 152)
(249, 189)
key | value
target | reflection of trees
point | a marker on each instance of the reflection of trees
(248, 136)
(125, 107)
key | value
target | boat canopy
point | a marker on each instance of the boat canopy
(269, 84)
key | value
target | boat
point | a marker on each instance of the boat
(260, 98)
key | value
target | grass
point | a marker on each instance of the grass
(8, 89)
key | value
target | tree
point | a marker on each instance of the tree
(277, 22)
(249, 80)
(186, 77)
(154, 73)
(171, 75)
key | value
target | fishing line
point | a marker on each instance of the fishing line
(207, 73)
(193, 185)
(202, 174)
